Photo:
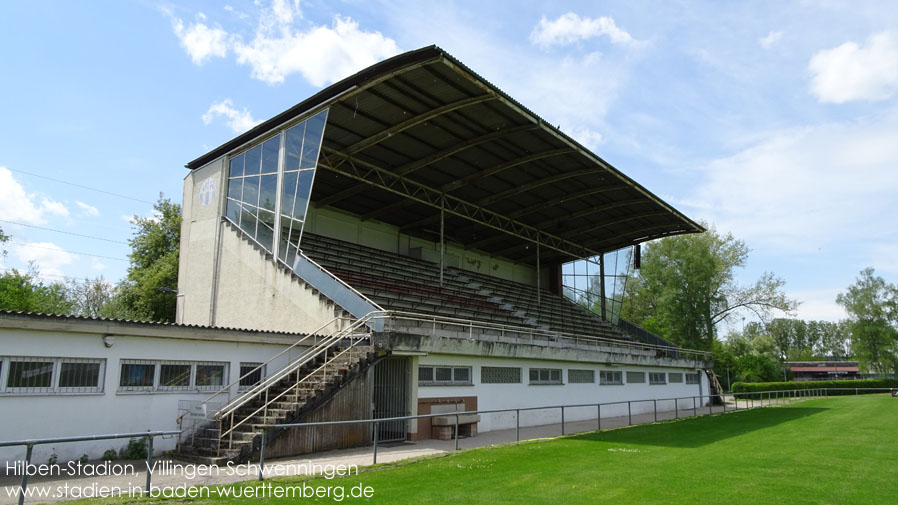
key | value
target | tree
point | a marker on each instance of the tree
(146, 293)
(25, 292)
(872, 306)
(3, 239)
(686, 288)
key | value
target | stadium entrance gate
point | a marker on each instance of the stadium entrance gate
(391, 390)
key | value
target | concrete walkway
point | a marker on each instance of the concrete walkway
(53, 488)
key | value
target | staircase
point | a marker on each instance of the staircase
(716, 389)
(234, 432)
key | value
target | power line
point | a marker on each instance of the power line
(63, 250)
(81, 186)
(66, 232)
(52, 276)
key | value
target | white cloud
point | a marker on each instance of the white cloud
(238, 120)
(97, 264)
(802, 189)
(200, 40)
(49, 257)
(589, 138)
(17, 205)
(770, 39)
(87, 210)
(321, 54)
(853, 72)
(818, 305)
(570, 28)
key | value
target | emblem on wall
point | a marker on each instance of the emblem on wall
(207, 192)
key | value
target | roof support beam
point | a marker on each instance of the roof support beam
(593, 227)
(632, 237)
(429, 160)
(445, 188)
(588, 212)
(387, 180)
(414, 121)
(509, 193)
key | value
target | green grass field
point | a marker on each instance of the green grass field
(827, 451)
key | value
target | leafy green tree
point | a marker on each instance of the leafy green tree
(686, 288)
(872, 306)
(147, 292)
(25, 292)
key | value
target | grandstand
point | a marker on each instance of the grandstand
(418, 221)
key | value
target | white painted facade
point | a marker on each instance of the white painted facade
(524, 394)
(56, 414)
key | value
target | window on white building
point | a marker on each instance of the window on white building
(444, 375)
(675, 377)
(543, 376)
(581, 376)
(31, 375)
(692, 378)
(500, 375)
(657, 378)
(611, 378)
(163, 375)
(635, 377)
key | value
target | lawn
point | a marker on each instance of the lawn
(826, 451)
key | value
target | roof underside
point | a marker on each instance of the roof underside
(421, 132)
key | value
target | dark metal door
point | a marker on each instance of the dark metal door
(391, 390)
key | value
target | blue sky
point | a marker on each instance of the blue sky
(776, 121)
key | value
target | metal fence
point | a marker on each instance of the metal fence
(726, 403)
(29, 445)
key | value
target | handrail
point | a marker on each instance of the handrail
(469, 323)
(290, 368)
(269, 401)
(261, 367)
(341, 281)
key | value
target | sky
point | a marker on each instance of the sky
(774, 121)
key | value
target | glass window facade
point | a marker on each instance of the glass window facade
(279, 169)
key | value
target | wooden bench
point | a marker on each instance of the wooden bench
(442, 427)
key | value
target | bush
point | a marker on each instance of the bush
(110, 455)
(757, 387)
(136, 449)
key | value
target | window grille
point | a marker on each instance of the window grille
(635, 377)
(657, 378)
(500, 375)
(581, 376)
(692, 378)
(254, 377)
(675, 377)
(30, 375)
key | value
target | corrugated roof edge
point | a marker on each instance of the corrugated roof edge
(413, 57)
(69, 317)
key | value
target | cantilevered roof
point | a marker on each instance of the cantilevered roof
(421, 132)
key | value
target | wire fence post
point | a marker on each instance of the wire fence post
(655, 406)
(694, 407)
(24, 484)
(517, 422)
(629, 415)
(599, 415)
(375, 442)
(262, 456)
(456, 430)
(562, 420)
(723, 400)
(149, 463)
(677, 408)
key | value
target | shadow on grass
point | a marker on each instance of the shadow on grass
(696, 432)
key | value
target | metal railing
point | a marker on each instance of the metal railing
(750, 400)
(230, 409)
(530, 335)
(261, 368)
(30, 443)
(340, 281)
